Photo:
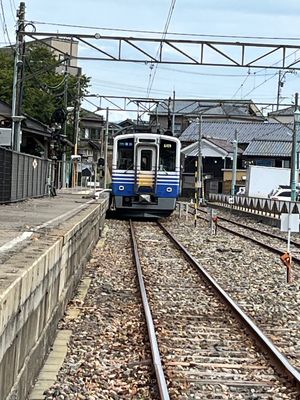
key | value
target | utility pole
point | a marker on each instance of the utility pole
(199, 161)
(17, 80)
(64, 157)
(281, 80)
(294, 151)
(105, 148)
(173, 115)
(279, 86)
(234, 162)
(76, 130)
(66, 74)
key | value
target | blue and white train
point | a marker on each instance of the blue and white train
(145, 174)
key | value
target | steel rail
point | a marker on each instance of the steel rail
(256, 241)
(279, 359)
(161, 380)
(251, 228)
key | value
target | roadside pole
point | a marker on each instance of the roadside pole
(76, 132)
(234, 162)
(18, 80)
(289, 222)
(196, 199)
(105, 148)
(294, 151)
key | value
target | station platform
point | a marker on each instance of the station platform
(21, 222)
(44, 246)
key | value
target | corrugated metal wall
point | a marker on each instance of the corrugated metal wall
(22, 176)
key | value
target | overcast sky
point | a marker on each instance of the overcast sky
(268, 18)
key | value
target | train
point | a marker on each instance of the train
(145, 174)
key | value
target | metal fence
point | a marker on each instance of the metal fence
(255, 205)
(22, 176)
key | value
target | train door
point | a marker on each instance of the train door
(146, 160)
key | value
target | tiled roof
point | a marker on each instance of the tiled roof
(89, 115)
(289, 111)
(226, 108)
(223, 144)
(263, 148)
(225, 147)
(246, 131)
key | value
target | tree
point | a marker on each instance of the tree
(6, 75)
(43, 86)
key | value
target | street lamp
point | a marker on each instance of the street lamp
(294, 155)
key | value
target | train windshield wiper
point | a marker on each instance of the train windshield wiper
(130, 167)
(162, 169)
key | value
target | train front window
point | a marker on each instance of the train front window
(167, 155)
(146, 160)
(125, 154)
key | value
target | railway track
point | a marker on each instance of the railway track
(203, 336)
(277, 244)
(255, 279)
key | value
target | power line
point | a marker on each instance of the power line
(256, 87)
(13, 9)
(260, 72)
(151, 79)
(242, 84)
(4, 25)
(120, 86)
(293, 38)
(205, 73)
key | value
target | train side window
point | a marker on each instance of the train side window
(146, 160)
(167, 155)
(125, 154)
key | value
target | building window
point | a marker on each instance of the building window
(177, 128)
(95, 133)
(265, 163)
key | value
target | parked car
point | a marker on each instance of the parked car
(283, 194)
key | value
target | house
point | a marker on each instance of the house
(216, 156)
(36, 136)
(91, 139)
(272, 149)
(259, 143)
(284, 116)
(184, 111)
(61, 47)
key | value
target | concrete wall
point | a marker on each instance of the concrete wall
(35, 286)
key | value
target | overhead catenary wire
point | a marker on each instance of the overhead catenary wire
(231, 36)
(260, 72)
(242, 84)
(292, 38)
(3, 22)
(257, 86)
(152, 76)
(13, 8)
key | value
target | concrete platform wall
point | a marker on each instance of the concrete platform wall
(34, 290)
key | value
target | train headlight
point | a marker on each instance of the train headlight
(121, 188)
(169, 189)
